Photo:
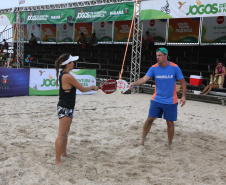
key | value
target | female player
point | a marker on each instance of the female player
(66, 103)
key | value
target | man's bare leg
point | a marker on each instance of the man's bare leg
(170, 130)
(146, 128)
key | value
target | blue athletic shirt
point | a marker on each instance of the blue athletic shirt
(165, 82)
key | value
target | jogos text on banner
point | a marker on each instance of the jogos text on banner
(155, 9)
(112, 12)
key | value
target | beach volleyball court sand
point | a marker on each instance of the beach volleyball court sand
(103, 143)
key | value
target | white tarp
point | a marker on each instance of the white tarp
(5, 19)
(155, 9)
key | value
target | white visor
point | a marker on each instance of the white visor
(70, 59)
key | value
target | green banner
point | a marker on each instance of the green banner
(113, 12)
(47, 16)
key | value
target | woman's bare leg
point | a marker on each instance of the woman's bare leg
(64, 148)
(205, 89)
(61, 140)
(212, 86)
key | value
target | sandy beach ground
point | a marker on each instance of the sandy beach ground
(104, 143)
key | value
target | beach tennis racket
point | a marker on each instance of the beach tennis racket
(109, 86)
(122, 87)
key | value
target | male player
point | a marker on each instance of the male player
(164, 101)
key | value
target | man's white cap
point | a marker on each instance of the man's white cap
(70, 59)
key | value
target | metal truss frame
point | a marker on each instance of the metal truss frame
(136, 48)
(20, 41)
(8, 10)
(69, 5)
(63, 5)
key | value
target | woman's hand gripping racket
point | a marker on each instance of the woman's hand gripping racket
(109, 86)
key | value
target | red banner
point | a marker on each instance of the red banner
(86, 28)
(48, 32)
(184, 30)
(121, 31)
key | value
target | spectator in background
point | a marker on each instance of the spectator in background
(12, 60)
(3, 57)
(82, 40)
(33, 40)
(149, 42)
(93, 40)
(5, 45)
(219, 72)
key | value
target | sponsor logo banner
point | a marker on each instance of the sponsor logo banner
(103, 31)
(43, 81)
(86, 28)
(47, 16)
(156, 28)
(112, 12)
(155, 9)
(65, 32)
(214, 30)
(14, 82)
(48, 32)
(121, 31)
(183, 30)
(35, 29)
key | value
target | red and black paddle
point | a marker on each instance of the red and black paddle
(109, 86)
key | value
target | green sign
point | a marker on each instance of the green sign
(113, 12)
(47, 16)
